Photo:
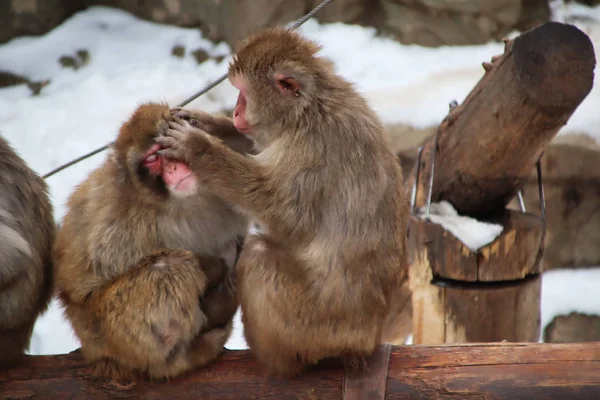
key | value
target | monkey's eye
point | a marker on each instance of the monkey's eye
(151, 158)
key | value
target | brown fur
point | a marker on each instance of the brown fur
(27, 230)
(133, 262)
(218, 126)
(327, 194)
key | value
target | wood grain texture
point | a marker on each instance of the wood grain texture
(495, 371)
(490, 295)
(513, 255)
(488, 145)
(476, 371)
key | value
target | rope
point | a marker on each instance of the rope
(293, 25)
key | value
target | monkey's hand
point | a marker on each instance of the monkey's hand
(220, 304)
(185, 142)
(199, 119)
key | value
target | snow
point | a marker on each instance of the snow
(572, 290)
(472, 233)
(130, 63)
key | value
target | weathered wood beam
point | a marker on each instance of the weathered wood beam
(488, 145)
(473, 371)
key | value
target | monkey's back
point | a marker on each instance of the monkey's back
(27, 231)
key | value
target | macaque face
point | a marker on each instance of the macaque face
(175, 174)
(239, 113)
(273, 95)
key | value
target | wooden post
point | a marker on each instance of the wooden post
(489, 295)
(485, 150)
(488, 145)
(482, 371)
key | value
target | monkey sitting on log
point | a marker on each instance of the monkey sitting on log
(27, 230)
(143, 260)
(327, 195)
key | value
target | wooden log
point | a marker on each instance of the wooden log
(492, 294)
(476, 371)
(513, 255)
(488, 145)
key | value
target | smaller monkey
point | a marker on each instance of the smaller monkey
(27, 230)
(326, 192)
(143, 259)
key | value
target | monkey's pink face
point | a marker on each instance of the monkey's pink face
(285, 86)
(176, 174)
(239, 113)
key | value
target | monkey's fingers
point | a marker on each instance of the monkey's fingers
(172, 153)
(167, 141)
(180, 125)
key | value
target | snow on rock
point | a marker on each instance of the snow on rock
(472, 233)
(570, 290)
(80, 110)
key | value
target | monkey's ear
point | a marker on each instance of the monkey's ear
(286, 84)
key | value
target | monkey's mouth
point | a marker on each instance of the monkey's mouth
(184, 183)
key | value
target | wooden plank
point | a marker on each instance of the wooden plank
(498, 371)
(488, 145)
(450, 306)
(475, 371)
(235, 376)
(447, 256)
(428, 322)
(493, 313)
(514, 254)
(398, 324)
(370, 382)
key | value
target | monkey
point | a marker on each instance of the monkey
(143, 260)
(27, 230)
(218, 126)
(325, 194)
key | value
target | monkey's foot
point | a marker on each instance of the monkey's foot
(120, 378)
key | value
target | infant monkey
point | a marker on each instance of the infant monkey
(327, 194)
(143, 259)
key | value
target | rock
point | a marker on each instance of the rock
(425, 22)
(405, 141)
(33, 17)
(76, 61)
(571, 171)
(229, 20)
(533, 14)
(178, 51)
(200, 55)
(573, 328)
(10, 79)
(448, 22)
(347, 11)
(586, 2)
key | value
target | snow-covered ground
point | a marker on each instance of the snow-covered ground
(131, 62)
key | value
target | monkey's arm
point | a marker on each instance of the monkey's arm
(218, 126)
(233, 177)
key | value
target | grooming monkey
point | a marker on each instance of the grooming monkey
(27, 230)
(143, 259)
(326, 193)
